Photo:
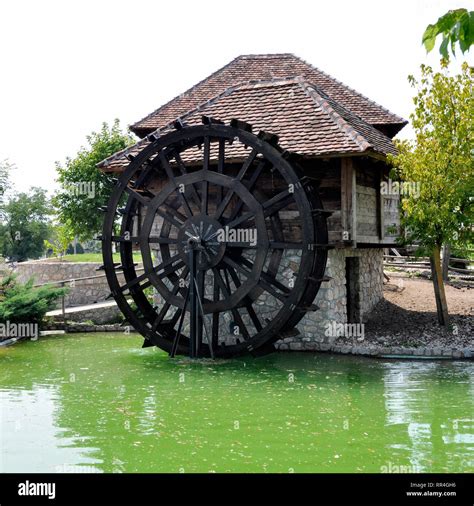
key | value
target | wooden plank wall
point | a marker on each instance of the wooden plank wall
(350, 188)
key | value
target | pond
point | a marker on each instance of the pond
(101, 403)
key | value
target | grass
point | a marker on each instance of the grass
(92, 257)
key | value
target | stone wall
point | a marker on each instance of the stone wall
(80, 292)
(331, 297)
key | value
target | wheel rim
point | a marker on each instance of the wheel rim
(237, 278)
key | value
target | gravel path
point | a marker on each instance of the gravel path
(407, 316)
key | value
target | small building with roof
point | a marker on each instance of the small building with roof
(341, 140)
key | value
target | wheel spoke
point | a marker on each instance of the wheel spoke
(134, 281)
(169, 218)
(168, 262)
(270, 207)
(162, 240)
(250, 185)
(225, 202)
(247, 302)
(140, 198)
(220, 170)
(205, 168)
(173, 212)
(267, 278)
(165, 164)
(215, 316)
(174, 346)
(167, 304)
(182, 169)
(234, 311)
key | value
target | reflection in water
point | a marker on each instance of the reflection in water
(435, 434)
(100, 403)
(27, 420)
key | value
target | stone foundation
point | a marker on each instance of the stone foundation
(332, 298)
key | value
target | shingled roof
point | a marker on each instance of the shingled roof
(247, 68)
(306, 119)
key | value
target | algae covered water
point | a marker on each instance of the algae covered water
(100, 403)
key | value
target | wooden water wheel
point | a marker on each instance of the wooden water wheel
(232, 237)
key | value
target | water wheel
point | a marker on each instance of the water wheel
(232, 237)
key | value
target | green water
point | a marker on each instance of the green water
(100, 403)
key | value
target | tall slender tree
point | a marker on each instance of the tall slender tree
(441, 159)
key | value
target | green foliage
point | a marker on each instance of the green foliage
(84, 188)
(22, 303)
(61, 239)
(440, 159)
(5, 183)
(26, 225)
(456, 26)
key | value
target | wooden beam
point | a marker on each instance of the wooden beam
(380, 201)
(348, 201)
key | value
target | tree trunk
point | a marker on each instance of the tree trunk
(446, 257)
(438, 283)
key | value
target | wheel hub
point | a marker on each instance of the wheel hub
(201, 233)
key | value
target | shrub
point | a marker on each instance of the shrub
(23, 303)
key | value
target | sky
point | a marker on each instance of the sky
(69, 65)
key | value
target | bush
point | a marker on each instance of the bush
(22, 303)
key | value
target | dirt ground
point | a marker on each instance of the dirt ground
(407, 315)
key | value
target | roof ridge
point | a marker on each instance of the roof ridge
(344, 126)
(274, 81)
(317, 69)
(262, 55)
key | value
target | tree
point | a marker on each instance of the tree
(440, 159)
(456, 26)
(5, 183)
(84, 188)
(26, 225)
(62, 237)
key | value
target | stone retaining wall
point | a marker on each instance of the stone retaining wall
(80, 292)
(99, 315)
(373, 350)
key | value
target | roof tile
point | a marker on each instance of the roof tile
(307, 121)
(264, 68)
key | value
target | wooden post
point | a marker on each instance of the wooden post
(438, 283)
(63, 307)
(380, 205)
(348, 200)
